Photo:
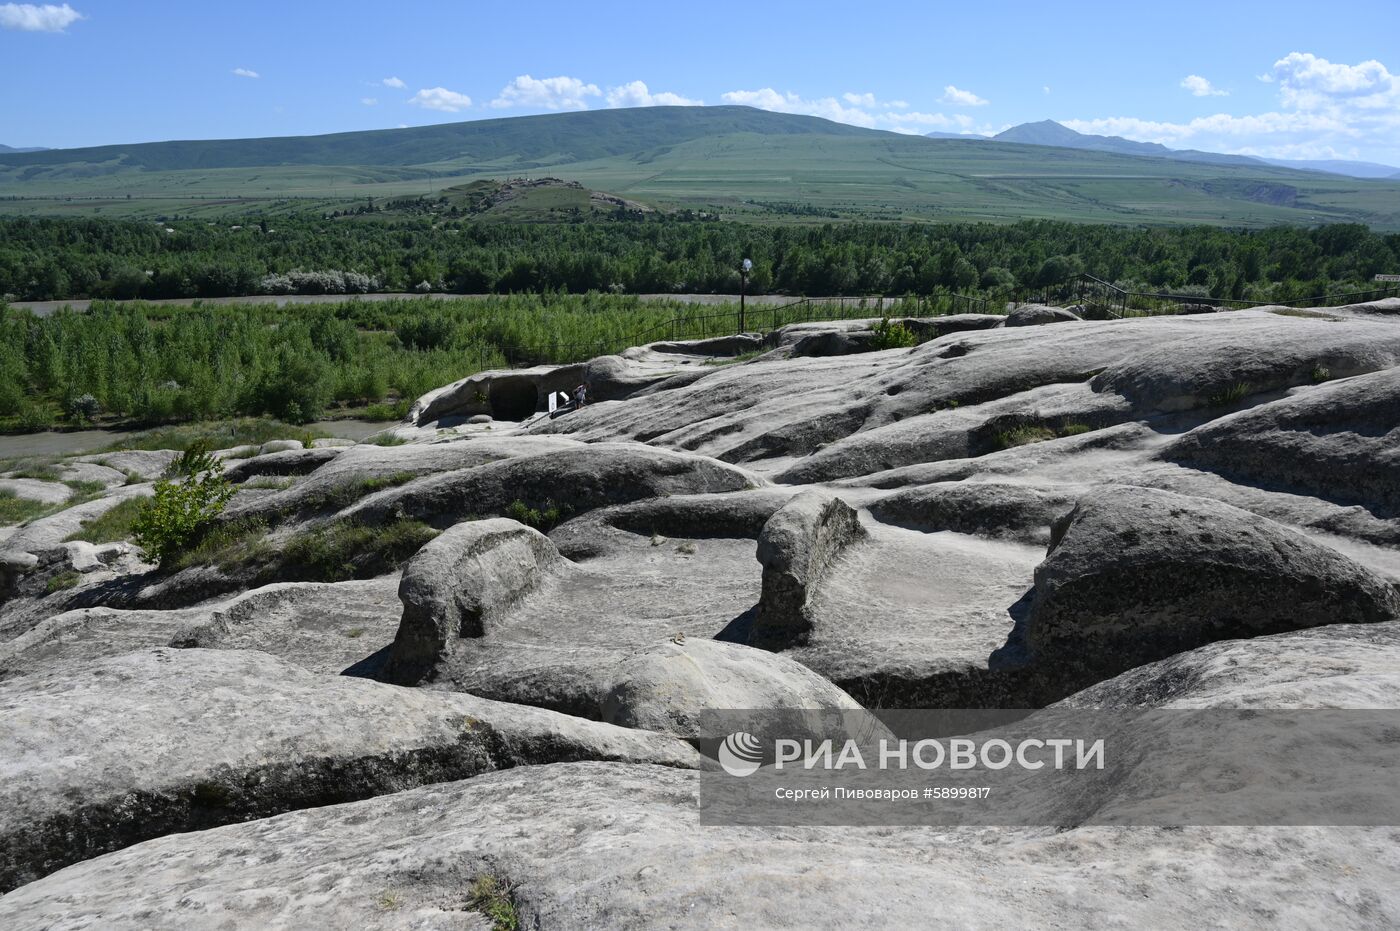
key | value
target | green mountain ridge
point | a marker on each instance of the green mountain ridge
(543, 139)
(737, 162)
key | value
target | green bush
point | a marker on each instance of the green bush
(180, 510)
(542, 519)
(194, 460)
(893, 335)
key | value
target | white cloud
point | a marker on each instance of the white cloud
(1307, 82)
(1325, 110)
(560, 93)
(440, 98)
(871, 102)
(636, 94)
(1219, 126)
(826, 107)
(245, 73)
(395, 83)
(369, 101)
(31, 17)
(830, 108)
(916, 118)
(1200, 87)
(961, 98)
(1045, 89)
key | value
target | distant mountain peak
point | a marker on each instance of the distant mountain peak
(1051, 133)
(1048, 132)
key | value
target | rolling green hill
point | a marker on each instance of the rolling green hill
(527, 141)
(740, 162)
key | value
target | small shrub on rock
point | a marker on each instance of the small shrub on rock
(891, 334)
(184, 504)
(542, 519)
(493, 897)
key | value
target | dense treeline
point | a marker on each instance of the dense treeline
(163, 364)
(55, 259)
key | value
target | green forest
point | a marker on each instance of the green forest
(161, 364)
(563, 292)
(59, 259)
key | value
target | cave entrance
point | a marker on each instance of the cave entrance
(513, 399)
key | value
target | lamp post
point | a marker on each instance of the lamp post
(744, 268)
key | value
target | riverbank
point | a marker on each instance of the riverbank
(44, 308)
(73, 442)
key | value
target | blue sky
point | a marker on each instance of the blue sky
(1282, 79)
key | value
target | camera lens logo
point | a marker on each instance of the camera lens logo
(741, 754)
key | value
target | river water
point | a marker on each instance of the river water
(72, 442)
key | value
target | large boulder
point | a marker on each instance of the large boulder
(573, 480)
(834, 343)
(1221, 360)
(165, 741)
(294, 461)
(735, 514)
(149, 464)
(670, 686)
(612, 845)
(514, 394)
(48, 535)
(928, 328)
(75, 471)
(364, 469)
(1136, 574)
(1351, 666)
(1048, 413)
(460, 585)
(326, 627)
(994, 509)
(797, 547)
(1039, 315)
(32, 489)
(1339, 441)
